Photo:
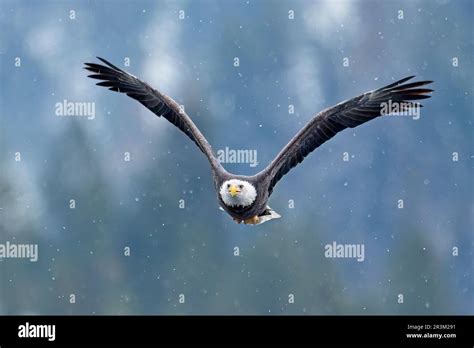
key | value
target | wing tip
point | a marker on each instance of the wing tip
(105, 61)
(405, 79)
(96, 66)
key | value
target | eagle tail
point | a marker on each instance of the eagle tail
(267, 215)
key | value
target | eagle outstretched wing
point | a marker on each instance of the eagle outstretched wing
(119, 80)
(348, 114)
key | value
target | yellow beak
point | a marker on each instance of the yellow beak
(233, 190)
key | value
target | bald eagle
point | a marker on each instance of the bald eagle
(245, 198)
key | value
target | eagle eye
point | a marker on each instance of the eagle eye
(241, 187)
(228, 185)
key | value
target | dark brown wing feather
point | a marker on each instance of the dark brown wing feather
(119, 80)
(347, 114)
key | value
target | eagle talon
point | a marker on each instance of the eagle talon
(252, 221)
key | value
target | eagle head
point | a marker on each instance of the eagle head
(237, 192)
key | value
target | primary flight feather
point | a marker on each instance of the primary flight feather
(245, 198)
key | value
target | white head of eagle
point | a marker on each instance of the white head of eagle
(236, 192)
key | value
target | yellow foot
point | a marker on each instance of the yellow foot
(253, 220)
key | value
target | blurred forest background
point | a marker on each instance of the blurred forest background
(290, 53)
